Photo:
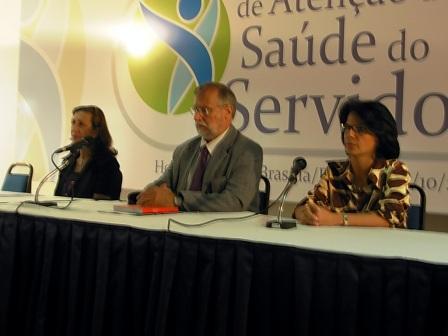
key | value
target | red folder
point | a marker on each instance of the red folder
(144, 210)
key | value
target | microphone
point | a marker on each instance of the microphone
(66, 160)
(74, 146)
(299, 164)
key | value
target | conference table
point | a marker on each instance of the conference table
(87, 270)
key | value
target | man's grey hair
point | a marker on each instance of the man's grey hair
(225, 94)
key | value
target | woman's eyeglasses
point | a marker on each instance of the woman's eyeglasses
(358, 129)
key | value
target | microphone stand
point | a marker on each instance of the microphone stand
(280, 222)
(36, 195)
(67, 160)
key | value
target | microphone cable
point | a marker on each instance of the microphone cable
(223, 219)
(58, 168)
(299, 164)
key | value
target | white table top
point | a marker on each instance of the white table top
(424, 246)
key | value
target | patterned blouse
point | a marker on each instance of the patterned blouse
(387, 191)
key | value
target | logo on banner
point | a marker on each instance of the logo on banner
(192, 48)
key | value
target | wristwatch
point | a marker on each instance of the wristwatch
(178, 200)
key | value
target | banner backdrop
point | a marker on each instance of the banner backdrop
(290, 63)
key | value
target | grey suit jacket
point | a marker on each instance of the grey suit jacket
(230, 182)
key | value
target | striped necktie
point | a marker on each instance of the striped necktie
(196, 182)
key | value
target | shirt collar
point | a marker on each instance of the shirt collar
(211, 145)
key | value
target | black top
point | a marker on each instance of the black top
(101, 175)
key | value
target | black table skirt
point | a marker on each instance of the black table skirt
(60, 277)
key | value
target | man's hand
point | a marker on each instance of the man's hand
(156, 196)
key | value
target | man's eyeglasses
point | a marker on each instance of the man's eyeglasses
(358, 129)
(203, 110)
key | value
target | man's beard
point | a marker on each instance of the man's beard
(202, 130)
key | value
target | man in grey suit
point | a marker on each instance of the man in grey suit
(219, 170)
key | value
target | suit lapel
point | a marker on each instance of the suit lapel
(189, 157)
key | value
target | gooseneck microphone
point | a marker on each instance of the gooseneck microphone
(298, 165)
(74, 146)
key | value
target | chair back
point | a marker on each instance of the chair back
(416, 212)
(263, 195)
(18, 182)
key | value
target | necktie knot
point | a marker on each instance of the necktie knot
(204, 153)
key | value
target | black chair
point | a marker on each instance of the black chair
(417, 211)
(18, 182)
(263, 196)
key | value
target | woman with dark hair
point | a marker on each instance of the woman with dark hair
(94, 172)
(371, 188)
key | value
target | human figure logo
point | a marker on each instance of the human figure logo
(192, 48)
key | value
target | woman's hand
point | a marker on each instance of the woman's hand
(313, 214)
(304, 214)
